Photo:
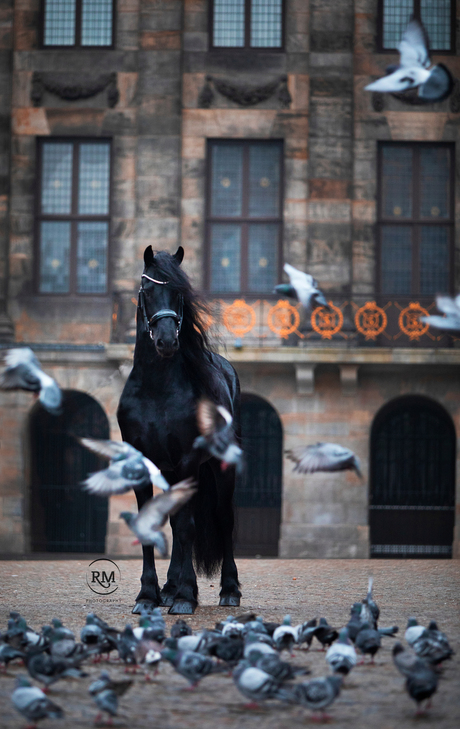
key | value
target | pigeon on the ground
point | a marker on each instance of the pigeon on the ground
(341, 656)
(421, 686)
(217, 434)
(48, 670)
(23, 372)
(255, 626)
(153, 515)
(325, 634)
(285, 636)
(105, 692)
(126, 644)
(317, 694)
(8, 654)
(257, 685)
(254, 644)
(32, 703)
(61, 646)
(150, 629)
(272, 664)
(302, 287)
(180, 628)
(407, 661)
(434, 84)
(433, 646)
(354, 625)
(98, 636)
(368, 641)
(229, 648)
(128, 469)
(192, 666)
(306, 632)
(451, 308)
(413, 631)
(324, 457)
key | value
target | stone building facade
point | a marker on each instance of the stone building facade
(160, 94)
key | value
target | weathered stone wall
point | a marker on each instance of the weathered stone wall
(6, 68)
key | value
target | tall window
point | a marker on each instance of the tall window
(73, 216)
(87, 23)
(416, 218)
(247, 23)
(244, 216)
(438, 17)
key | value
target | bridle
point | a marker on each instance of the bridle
(162, 313)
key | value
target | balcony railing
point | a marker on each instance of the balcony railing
(351, 321)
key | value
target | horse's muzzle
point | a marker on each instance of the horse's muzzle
(166, 349)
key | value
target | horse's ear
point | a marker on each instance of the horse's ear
(179, 255)
(148, 256)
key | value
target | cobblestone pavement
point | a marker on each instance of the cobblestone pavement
(372, 696)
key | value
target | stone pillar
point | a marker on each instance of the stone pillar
(6, 75)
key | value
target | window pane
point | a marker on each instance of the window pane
(92, 258)
(59, 23)
(57, 178)
(266, 17)
(263, 256)
(435, 182)
(396, 15)
(54, 257)
(93, 187)
(229, 23)
(436, 17)
(225, 257)
(434, 260)
(227, 177)
(96, 23)
(396, 259)
(264, 179)
(397, 182)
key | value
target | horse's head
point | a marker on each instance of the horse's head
(160, 301)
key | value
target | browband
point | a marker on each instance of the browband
(163, 283)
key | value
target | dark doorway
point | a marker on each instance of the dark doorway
(412, 499)
(258, 490)
(64, 518)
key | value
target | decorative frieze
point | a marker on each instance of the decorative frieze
(244, 95)
(73, 87)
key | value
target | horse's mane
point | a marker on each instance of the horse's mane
(194, 341)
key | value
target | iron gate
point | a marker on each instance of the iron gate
(258, 490)
(412, 503)
(64, 518)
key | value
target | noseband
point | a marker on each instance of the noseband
(162, 313)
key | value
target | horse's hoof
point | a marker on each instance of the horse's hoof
(144, 607)
(167, 600)
(182, 607)
(229, 601)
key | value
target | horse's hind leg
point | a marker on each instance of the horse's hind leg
(230, 593)
(149, 596)
(186, 597)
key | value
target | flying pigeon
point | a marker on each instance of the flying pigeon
(451, 308)
(324, 457)
(341, 656)
(318, 693)
(128, 469)
(32, 703)
(153, 515)
(302, 287)
(434, 84)
(23, 372)
(217, 434)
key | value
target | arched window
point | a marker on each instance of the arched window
(64, 518)
(258, 490)
(412, 499)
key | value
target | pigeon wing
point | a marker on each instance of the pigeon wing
(21, 356)
(154, 513)
(309, 459)
(448, 305)
(414, 46)
(107, 482)
(211, 417)
(108, 448)
(19, 377)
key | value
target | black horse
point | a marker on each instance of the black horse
(173, 367)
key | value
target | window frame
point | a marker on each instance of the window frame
(71, 217)
(416, 13)
(78, 18)
(244, 220)
(247, 32)
(415, 222)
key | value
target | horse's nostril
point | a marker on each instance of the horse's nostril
(160, 343)
(175, 344)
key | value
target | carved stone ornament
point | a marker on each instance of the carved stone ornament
(244, 95)
(72, 87)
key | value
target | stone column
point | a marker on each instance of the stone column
(6, 74)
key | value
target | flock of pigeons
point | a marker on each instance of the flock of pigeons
(246, 646)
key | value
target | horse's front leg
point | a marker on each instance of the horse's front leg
(186, 597)
(230, 594)
(149, 596)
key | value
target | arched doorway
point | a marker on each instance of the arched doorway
(258, 490)
(412, 498)
(64, 518)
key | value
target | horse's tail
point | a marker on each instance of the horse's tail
(209, 534)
